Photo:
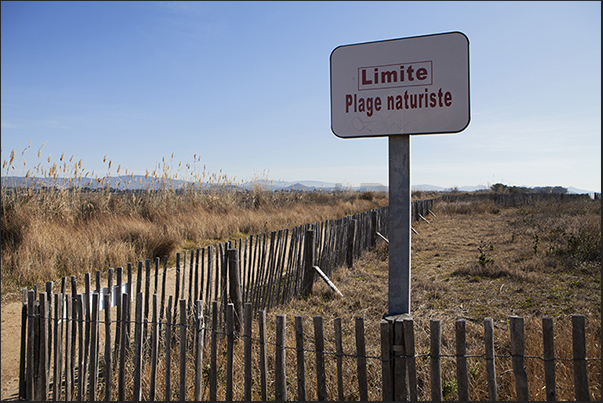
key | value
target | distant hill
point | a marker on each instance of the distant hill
(140, 182)
(573, 190)
(433, 188)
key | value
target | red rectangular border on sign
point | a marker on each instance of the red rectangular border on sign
(403, 81)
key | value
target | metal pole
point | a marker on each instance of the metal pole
(399, 225)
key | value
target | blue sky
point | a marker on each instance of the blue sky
(245, 87)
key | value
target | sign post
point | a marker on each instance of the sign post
(398, 289)
(396, 88)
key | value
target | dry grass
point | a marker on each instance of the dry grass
(450, 281)
(51, 232)
(36, 249)
(533, 261)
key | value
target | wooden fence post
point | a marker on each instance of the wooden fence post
(247, 333)
(280, 286)
(229, 349)
(22, 352)
(199, 339)
(163, 281)
(98, 282)
(517, 354)
(263, 361)
(177, 296)
(361, 360)
(374, 228)
(301, 371)
(319, 345)
(255, 268)
(309, 263)
(87, 323)
(280, 381)
(58, 346)
(234, 276)
(386, 362)
(210, 278)
(247, 259)
(548, 342)
(36, 345)
(154, 347)
(168, 351)
(94, 347)
(31, 343)
(110, 284)
(108, 375)
(147, 295)
(462, 378)
(213, 376)
(409, 345)
(260, 281)
(195, 291)
(223, 263)
(74, 325)
(399, 353)
(68, 329)
(156, 285)
(136, 393)
(435, 333)
(489, 353)
(49, 321)
(118, 324)
(270, 269)
(130, 292)
(339, 357)
(43, 355)
(139, 279)
(81, 373)
(183, 343)
(352, 225)
(191, 263)
(579, 353)
(202, 295)
(123, 344)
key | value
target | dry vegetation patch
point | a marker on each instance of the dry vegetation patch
(474, 262)
(471, 266)
(48, 234)
(451, 280)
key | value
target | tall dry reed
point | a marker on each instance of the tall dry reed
(57, 225)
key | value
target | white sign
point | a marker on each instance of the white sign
(417, 85)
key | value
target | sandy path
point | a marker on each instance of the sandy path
(10, 344)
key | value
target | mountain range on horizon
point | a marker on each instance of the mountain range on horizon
(137, 182)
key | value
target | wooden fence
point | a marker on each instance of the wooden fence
(269, 269)
(227, 286)
(197, 342)
(516, 199)
(263, 271)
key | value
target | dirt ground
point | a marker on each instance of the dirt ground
(11, 334)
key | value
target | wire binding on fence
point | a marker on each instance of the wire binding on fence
(242, 336)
